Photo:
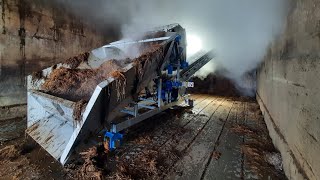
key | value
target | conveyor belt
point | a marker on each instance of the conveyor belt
(202, 59)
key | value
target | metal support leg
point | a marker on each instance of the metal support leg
(190, 102)
(159, 92)
(178, 71)
(135, 109)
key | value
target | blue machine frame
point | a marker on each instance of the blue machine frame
(166, 83)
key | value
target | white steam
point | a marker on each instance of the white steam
(239, 31)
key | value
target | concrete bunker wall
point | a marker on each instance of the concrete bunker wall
(289, 91)
(34, 35)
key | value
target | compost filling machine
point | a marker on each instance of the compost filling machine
(141, 89)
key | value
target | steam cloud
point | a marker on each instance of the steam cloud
(239, 31)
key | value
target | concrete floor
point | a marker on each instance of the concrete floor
(219, 138)
(228, 140)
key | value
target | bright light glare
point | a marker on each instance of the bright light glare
(194, 44)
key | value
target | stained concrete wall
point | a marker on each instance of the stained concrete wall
(35, 34)
(289, 91)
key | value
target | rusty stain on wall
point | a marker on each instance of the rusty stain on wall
(24, 12)
(35, 35)
(3, 15)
